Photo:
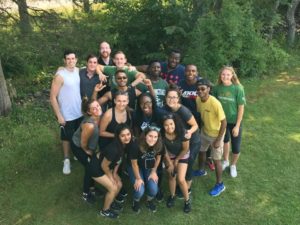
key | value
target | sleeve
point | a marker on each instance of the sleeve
(220, 111)
(108, 70)
(131, 75)
(241, 99)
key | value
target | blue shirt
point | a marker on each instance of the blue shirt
(174, 75)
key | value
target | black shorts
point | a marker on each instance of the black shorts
(95, 167)
(235, 141)
(67, 131)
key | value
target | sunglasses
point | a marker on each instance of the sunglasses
(122, 78)
(154, 128)
(169, 116)
(201, 89)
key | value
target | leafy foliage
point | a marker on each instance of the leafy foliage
(230, 38)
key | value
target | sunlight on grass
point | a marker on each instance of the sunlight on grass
(266, 204)
(24, 218)
(267, 119)
(295, 137)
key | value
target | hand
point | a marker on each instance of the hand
(99, 87)
(153, 176)
(61, 121)
(217, 143)
(102, 77)
(175, 164)
(235, 131)
(147, 82)
(188, 134)
(137, 184)
(131, 68)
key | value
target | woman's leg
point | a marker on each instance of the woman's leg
(151, 185)
(111, 188)
(137, 194)
(181, 172)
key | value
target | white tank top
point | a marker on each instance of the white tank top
(69, 98)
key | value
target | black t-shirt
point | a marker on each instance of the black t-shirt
(113, 153)
(175, 146)
(134, 153)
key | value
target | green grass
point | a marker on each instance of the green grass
(266, 191)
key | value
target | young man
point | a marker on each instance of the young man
(172, 71)
(212, 132)
(104, 57)
(66, 103)
(120, 64)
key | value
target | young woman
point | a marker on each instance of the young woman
(231, 94)
(176, 158)
(104, 169)
(142, 167)
(192, 131)
(120, 113)
(84, 142)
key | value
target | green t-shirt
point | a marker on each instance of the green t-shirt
(231, 97)
(111, 70)
(159, 87)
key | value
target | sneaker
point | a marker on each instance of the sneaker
(67, 167)
(178, 193)
(233, 171)
(123, 192)
(109, 213)
(136, 206)
(119, 198)
(151, 206)
(217, 189)
(187, 206)
(97, 192)
(116, 207)
(211, 165)
(88, 197)
(171, 201)
(199, 173)
(159, 196)
(225, 164)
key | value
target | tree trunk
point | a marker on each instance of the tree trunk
(86, 6)
(25, 25)
(5, 103)
(290, 15)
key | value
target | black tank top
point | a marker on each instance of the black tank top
(111, 127)
(131, 95)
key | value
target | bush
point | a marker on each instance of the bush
(230, 38)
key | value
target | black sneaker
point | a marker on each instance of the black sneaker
(187, 206)
(97, 192)
(136, 206)
(116, 207)
(119, 198)
(178, 193)
(151, 206)
(89, 198)
(109, 213)
(159, 196)
(171, 201)
(123, 192)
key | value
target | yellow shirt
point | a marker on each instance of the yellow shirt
(212, 114)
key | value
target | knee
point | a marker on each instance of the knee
(152, 188)
(139, 193)
(181, 181)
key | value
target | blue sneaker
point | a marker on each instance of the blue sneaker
(199, 173)
(217, 189)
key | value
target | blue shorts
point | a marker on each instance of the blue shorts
(235, 141)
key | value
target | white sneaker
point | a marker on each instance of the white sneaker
(75, 158)
(233, 171)
(225, 164)
(67, 167)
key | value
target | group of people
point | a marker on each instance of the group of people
(135, 122)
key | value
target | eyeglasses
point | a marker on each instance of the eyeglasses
(172, 97)
(121, 78)
(201, 89)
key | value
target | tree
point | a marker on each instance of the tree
(25, 25)
(5, 103)
(290, 15)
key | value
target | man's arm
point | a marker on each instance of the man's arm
(57, 83)
(221, 133)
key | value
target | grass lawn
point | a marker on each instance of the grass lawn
(266, 191)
